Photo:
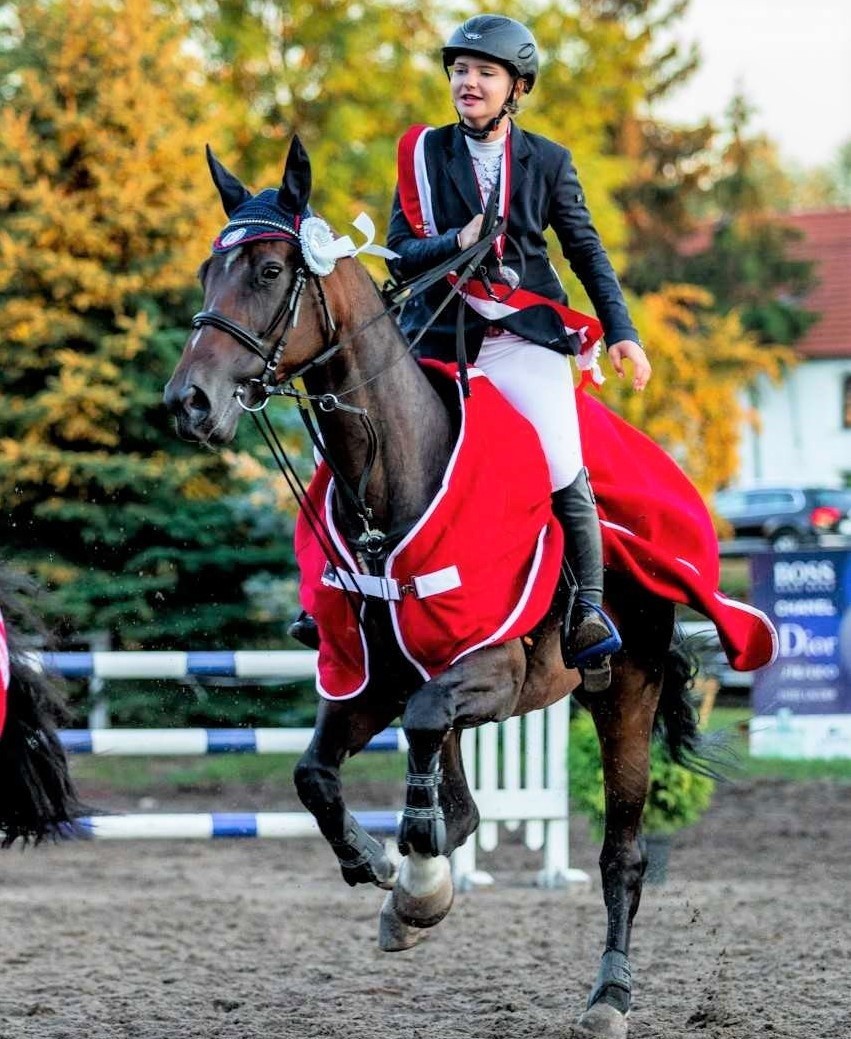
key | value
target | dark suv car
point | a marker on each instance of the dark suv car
(788, 517)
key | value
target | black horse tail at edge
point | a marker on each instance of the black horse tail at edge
(37, 795)
(677, 720)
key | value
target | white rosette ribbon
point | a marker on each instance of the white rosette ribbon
(588, 359)
(321, 249)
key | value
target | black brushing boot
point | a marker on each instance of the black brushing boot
(588, 637)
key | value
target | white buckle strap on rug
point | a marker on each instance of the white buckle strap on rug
(444, 580)
(388, 588)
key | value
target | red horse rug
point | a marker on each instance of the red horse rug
(478, 568)
(482, 564)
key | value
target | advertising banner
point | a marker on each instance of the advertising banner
(802, 702)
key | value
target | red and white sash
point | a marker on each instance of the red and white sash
(415, 200)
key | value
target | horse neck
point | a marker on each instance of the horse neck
(375, 371)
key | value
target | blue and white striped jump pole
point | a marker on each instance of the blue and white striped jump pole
(204, 826)
(287, 665)
(248, 664)
(542, 804)
(195, 742)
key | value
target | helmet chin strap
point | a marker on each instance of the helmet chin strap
(488, 129)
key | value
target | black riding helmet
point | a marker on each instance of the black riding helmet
(495, 36)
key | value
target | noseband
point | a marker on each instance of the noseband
(271, 355)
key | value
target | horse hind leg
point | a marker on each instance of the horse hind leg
(624, 721)
(624, 737)
(341, 730)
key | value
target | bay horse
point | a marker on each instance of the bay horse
(274, 309)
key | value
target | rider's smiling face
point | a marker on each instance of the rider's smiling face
(479, 88)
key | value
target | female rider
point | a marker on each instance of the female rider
(491, 61)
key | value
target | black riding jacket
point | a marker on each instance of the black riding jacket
(545, 192)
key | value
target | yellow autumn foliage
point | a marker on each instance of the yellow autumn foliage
(102, 135)
(702, 361)
(265, 494)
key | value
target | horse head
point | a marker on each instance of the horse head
(270, 302)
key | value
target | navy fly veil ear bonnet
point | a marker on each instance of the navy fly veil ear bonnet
(285, 214)
(271, 213)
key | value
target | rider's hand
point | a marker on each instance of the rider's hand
(628, 350)
(469, 235)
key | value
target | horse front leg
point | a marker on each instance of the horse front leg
(460, 818)
(624, 724)
(343, 728)
(482, 687)
(424, 893)
(459, 808)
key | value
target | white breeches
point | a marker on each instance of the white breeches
(539, 383)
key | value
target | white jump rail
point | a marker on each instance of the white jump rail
(517, 770)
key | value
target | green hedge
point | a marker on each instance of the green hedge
(676, 798)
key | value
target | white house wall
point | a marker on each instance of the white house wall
(801, 439)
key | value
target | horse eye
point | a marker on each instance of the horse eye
(271, 271)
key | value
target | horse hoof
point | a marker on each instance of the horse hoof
(601, 1021)
(393, 934)
(423, 893)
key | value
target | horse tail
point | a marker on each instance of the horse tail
(677, 719)
(37, 795)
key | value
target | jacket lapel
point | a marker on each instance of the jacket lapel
(460, 168)
(520, 152)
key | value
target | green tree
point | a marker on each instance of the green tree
(350, 78)
(660, 165)
(103, 121)
(840, 174)
(746, 263)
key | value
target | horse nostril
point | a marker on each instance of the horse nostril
(189, 400)
(195, 400)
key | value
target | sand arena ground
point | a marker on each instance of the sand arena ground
(242, 940)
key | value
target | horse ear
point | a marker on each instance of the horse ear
(294, 191)
(230, 187)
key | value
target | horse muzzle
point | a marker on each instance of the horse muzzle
(194, 414)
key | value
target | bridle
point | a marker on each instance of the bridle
(268, 350)
(394, 296)
(270, 345)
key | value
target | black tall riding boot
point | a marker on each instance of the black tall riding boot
(588, 635)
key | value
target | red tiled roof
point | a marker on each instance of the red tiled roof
(826, 241)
